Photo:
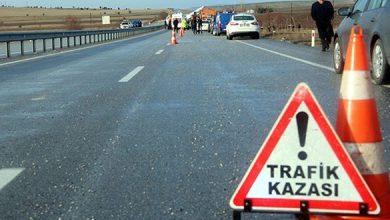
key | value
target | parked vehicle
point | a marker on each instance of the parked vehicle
(243, 25)
(220, 22)
(179, 16)
(373, 16)
(206, 25)
(137, 23)
(125, 25)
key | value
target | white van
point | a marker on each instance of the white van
(179, 17)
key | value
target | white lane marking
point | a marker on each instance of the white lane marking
(159, 52)
(131, 74)
(40, 98)
(288, 56)
(77, 49)
(388, 86)
(7, 175)
(168, 44)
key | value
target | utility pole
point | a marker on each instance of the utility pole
(242, 2)
(291, 17)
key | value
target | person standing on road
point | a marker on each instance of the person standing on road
(199, 25)
(193, 24)
(322, 12)
(170, 24)
(176, 25)
(184, 24)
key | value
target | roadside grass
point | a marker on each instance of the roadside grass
(301, 36)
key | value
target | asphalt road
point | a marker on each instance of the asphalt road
(119, 132)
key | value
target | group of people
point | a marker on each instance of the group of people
(175, 24)
(322, 12)
(196, 24)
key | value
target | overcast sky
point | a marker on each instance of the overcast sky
(125, 3)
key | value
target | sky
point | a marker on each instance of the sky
(125, 3)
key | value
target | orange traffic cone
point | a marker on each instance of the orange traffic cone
(173, 39)
(358, 125)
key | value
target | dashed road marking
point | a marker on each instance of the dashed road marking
(168, 44)
(132, 74)
(7, 175)
(78, 49)
(159, 52)
(288, 56)
(40, 98)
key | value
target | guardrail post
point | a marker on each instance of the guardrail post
(22, 48)
(80, 40)
(61, 41)
(74, 41)
(53, 43)
(90, 38)
(34, 46)
(313, 38)
(44, 45)
(8, 49)
(68, 42)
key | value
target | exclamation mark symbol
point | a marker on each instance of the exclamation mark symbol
(302, 120)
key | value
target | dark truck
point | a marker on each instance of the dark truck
(220, 22)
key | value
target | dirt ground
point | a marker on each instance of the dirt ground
(302, 36)
(294, 26)
(26, 19)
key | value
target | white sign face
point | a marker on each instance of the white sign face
(106, 19)
(304, 172)
(303, 160)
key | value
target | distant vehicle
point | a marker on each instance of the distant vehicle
(373, 16)
(243, 25)
(125, 25)
(220, 22)
(206, 25)
(179, 17)
(137, 23)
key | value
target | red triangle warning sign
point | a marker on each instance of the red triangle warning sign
(303, 164)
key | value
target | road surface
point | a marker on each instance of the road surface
(141, 129)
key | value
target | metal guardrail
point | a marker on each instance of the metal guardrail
(92, 36)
